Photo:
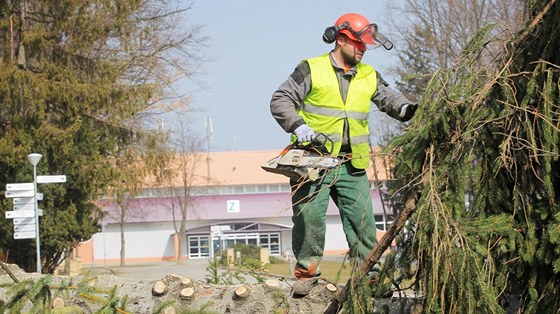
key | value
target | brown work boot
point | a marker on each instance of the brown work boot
(304, 286)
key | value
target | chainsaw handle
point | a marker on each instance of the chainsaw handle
(319, 143)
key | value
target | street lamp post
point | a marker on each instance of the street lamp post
(34, 159)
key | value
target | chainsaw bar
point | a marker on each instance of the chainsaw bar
(300, 164)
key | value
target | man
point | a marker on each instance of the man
(332, 94)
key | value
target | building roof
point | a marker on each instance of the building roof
(241, 168)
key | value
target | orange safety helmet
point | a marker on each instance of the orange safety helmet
(356, 27)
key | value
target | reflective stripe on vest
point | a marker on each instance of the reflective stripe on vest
(324, 111)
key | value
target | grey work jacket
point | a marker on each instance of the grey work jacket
(291, 94)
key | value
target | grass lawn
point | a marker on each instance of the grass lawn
(335, 271)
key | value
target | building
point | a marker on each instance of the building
(232, 200)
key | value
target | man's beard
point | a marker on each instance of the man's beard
(349, 58)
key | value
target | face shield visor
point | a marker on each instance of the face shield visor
(371, 38)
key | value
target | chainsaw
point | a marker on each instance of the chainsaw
(304, 162)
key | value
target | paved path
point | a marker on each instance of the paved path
(192, 268)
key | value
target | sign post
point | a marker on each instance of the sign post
(26, 210)
(34, 160)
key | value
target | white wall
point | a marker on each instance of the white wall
(335, 238)
(154, 240)
(143, 240)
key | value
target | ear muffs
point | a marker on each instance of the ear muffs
(329, 36)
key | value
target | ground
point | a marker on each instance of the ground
(89, 294)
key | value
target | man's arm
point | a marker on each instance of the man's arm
(289, 96)
(392, 102)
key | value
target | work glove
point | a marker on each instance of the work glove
(407, 111)
(304, 133)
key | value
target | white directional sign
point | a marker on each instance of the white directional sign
(19, 186)
(25, 203)
(26, 206)
(25, 193)
(25, 235)
(51, 179)
(20, 214)
(23, 200)
(24, 221)
(30, 227)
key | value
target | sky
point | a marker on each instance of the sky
(254, 46)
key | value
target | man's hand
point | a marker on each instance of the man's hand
(407, 111)
(304, 133)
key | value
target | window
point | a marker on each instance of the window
(199, 246)
(238, 189)
(271, 241)
(250, 189)
(380, 222)
(285, 188)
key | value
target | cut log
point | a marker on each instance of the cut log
(168, 310)
(186, 281)
(271, 284)
(183, 280)
(57, 303)
(332, 288)
(9, 271)
(160, 288)
(241, 292)
(173, 277)
(187, 293)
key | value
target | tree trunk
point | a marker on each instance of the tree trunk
(122, 245)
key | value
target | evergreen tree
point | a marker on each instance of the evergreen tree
(76, 80)
(481, 157)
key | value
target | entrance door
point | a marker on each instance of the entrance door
(226, 241)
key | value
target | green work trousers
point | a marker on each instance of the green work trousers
(349, 189)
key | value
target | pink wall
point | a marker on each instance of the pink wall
(216, 207)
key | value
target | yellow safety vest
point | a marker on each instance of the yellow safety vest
(324, 111)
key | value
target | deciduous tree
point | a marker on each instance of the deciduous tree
(78, 82)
